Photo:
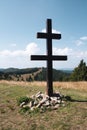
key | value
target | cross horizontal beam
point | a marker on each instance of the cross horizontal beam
(52, 36)
(44, 57)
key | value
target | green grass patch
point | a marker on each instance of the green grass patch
(23, 99)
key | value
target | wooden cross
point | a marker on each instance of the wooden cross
(49, 57)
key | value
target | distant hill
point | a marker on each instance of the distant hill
(1, 69)
(19, 71)
(31, 74)
(67, 70)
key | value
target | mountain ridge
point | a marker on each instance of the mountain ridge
(31, 74)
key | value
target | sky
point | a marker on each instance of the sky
(20, 20)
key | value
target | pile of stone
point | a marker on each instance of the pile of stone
(41, 100)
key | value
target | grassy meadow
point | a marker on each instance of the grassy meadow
(72, 116)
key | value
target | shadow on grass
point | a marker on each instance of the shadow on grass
(68, 98)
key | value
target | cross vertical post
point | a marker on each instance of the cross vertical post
(49, 57)
(49, 90)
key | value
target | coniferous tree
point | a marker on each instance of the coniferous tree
(80, 72)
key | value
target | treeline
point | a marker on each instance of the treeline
(39, 74)
(32, 74)
(57, 75)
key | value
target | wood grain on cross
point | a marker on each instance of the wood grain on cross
(49, 57)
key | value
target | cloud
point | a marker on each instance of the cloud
(83, 38)
(31, 48)
(64, 51)
(79, 42)
(69, 52)
(21, 58)
(53, 31)
(5, 53)
(73, 56)
(81, 54)
(18, 58)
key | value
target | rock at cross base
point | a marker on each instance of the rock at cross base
(41, 100)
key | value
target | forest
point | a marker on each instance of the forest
(79, 73)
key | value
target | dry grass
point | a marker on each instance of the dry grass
(73, 85)
(22, 83)
(71, 117)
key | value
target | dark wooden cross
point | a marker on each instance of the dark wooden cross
(49, 57)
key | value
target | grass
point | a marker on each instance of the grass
(73, 116)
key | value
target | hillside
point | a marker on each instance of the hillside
(31, 74)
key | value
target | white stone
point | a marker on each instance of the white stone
(38, 106)
(54, 102)
(59, 101)
(47, 103)
(41, 100)
(35, 102)
(53, 98)
(38, 94)
(32, 108)
(30, 104)
(56, 106)
(22, 104)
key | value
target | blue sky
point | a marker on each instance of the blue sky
(20, 20)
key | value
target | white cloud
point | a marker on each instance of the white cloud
(79, 42)
(84, 38)
(73, 56)
(21, 58)
(31, 48)
(53, 31)
(5, 53)
(64, 51)
(81, 54)
(69, 52)
(18, 58)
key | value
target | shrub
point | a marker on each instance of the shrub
(23, 99)
(24, 110)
